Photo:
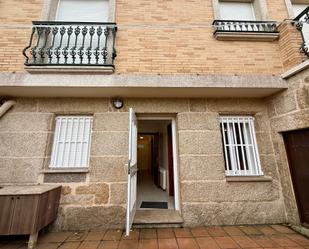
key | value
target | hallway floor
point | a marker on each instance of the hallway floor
(225, 237)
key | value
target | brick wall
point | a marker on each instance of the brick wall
(175, 41)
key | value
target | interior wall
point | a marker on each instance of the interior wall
(144, 153)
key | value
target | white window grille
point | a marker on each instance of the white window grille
(240, 147)
(71, 146)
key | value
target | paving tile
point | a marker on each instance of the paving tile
(182, 232)
(77, 236)
(244, 241)
(47, 246)
(282, 240)
(250, 230)
(216, 231)
(148, 234)
(89, 245)
(299, 239)
(187, 243)
(70, 245)
(128, 244)
(264, 241)
(207, 243)
(112, 235)
(165, 233)
(167, 243)
(282, 229)
(134, 235)
(108, 244)
(232, 230)
(267, 230)
(148, 244)
(199, 232)
(95, 235)
(54, 237)
(226, 242)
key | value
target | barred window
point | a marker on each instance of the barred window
(240, 148)
(71, 146)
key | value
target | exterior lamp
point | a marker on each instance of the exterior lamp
(117, 103)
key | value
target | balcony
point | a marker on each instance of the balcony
(245, 30)
(302, 24)
(71, 46)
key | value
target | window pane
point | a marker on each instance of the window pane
(236, 11)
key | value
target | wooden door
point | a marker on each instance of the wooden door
(7, 204)
(25, 214)
(297, 147)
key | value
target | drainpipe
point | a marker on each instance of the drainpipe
(6, 106)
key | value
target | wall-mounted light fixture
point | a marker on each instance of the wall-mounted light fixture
(117, 103)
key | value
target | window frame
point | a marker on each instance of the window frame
(55, 142)
(289, 6)
(232, 163)
(259, 8)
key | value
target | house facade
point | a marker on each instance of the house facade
(195, 106)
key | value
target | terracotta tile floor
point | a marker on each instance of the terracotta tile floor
(216, 237)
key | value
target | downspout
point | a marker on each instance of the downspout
(6, 106)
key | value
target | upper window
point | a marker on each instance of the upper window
(82, 10)
(298, 8)
(237, 11)
(240, 148)
(71, 145)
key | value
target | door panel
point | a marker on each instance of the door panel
(170, 160)
(297, 147)
(7, 204)
(132, 171)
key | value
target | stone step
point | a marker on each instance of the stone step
(157, 219)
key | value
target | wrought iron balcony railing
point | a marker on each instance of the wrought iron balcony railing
(71, 44)
(302, 24)
(244, 26)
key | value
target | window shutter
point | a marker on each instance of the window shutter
(71, 145)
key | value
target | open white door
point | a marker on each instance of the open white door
(132, 171)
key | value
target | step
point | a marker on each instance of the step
(157, 219)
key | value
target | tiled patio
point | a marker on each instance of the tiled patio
(225, 237)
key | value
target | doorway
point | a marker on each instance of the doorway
(155, 177)
(297, 148)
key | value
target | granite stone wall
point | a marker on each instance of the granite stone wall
(97, 198)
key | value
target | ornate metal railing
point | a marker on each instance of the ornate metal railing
(71, 44)
(245, 26)
(302, 24)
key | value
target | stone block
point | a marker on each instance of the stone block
(90, 217)
(264, 143)
(297, 120)
(73, 105)
(66, 190)
(25, 105)
(236, 106)
(261, 123)
(200, 142)
(111, 122)
(108, 169)
(64, 177)
(109, 143)
(269, 166)
(233, 213)
(201, 167)
(23, 144)
(285, 103)
(302, 95)
(198, 105)
(99, 190)
(198, 121)
(159, 105)
(20, 170)
(77, 200)
(26, 122)
(222, 191)
(118, 193)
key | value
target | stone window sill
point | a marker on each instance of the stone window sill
(248, 178)
(245, 36)
(65, 170)
(70, 69)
